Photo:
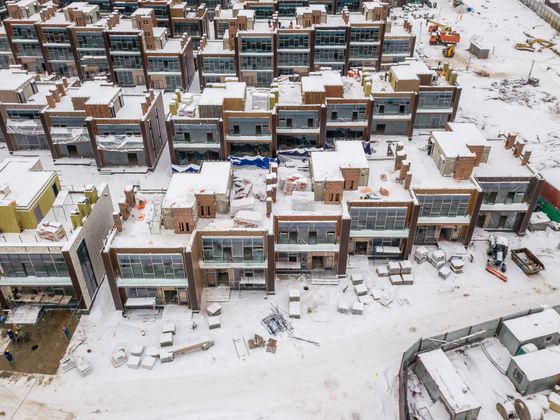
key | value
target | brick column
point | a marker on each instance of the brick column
(344, 242)
(111, 281)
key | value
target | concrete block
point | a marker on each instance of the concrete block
(444, 272)
(382, 271)
(343, 307)
(148, 362)
(295, 295)
(137, 350)
(214, 309)
(358, 308)
(396, 279)
(152, 351)
(166, 339)
(361, 290)
(165, 356)
(356, 279)
(407, 279)
(133, 362)
(406, 267)
(169, 327)
(294, 310)
(214, 322)
(394, 267)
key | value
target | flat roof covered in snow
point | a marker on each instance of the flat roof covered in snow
(502, 163)
(540, 364)
(11, 79)
(450, 385)
(22, 181)
(536, 325)
(326, 165)
(213, 178)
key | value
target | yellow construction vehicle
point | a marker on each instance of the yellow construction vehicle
(528, 45)
(435, 26)
(449, 50)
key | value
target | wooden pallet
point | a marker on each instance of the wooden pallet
(325, 282)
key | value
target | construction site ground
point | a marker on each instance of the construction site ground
(352, 373)
(44, 347)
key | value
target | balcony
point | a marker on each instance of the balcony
(370, 233)
(120, 143)
(69, 135)
(141, 282)
(251, 138)
(306, 248)
(32, 281)
(29, 127)
(234, 263)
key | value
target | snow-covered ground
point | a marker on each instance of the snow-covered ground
(352, 373)
(503, 102)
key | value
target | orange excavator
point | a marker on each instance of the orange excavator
(442, 34)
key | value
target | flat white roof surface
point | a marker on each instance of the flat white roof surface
(536, 325)
(540, 364)
(469, 132)
(347, 154)
(452, 144)
(23, 182)
(451, 386)
(404, 72)
(212, 179)
(13, 80)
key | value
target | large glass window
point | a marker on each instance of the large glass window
(358, 34)
(443, 205)
(163, 64)
(151, 266)
(124, 43)
(218, 65)
(293, 41)
(396, 46)
(233, 249)
(90, 40)
(256, 45)
(87, 268)
(256, 62)
(435, 99)
(56, 35)
(37, 265)
(435, 121)
(332, 37)
(378, 218)
(311, 233)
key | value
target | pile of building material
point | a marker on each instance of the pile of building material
(457, 264)
(256, 342)
(294, 181)
(247, 218)
(294, 306)
(479, 49)
(51, 231)
(214, 322)
(538, 221)
(242, 187)
(214, 309)
(421, 254)
(437, 258)
(246, 203)
(357, 308)
(399, 272)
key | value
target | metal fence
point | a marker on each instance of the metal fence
(449, 341)
(546, 13)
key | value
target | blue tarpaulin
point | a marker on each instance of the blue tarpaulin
(186, 169)
(258, 161)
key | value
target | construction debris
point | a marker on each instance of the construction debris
(356, 279)
(118, 358)
(169, 328)
(201, 343)
(538, 221)
(437, 258)
(305, 340)
(361, 289)
(271, 345)
(294, 310)
(444, 272)
(165, 356)
(240, 348)
(294, 295)
(256, 342)
(421, 254)
(276, 322)
(137, 350)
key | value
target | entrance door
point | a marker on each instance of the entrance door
(72, 150)
(223, 278)
(171, 296)
(132, 159)
(502, 222)
(317, 262)
(361, 248)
